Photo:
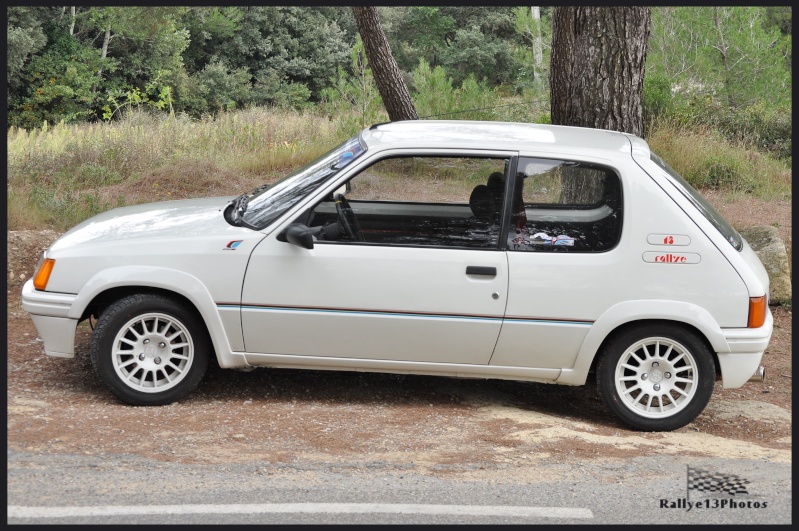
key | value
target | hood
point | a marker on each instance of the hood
(170, 219)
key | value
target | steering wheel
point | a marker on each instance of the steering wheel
(347, 219)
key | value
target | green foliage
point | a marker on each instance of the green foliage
(434, 95)
(724, 67)
(269, 89)
(156, 96)
(779, 17)
(463, 40)
(480, 55)
(59, 85)
(762, 127)
(208, 28)
(196, 61)
(298, 44)
(25, 37)
(530, 74)
(354, 95)
(222, 88)
(728, 54)
(657, 97)
(725, 171)
(421, 32)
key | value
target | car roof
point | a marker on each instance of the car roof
(500, 136)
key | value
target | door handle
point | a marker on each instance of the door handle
(481, 270)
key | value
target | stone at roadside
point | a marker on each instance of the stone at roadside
(768, 245)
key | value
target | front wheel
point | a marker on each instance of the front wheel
(656, 377)
(150, 350)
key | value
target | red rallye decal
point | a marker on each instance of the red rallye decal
(668, 239)
(672, 258)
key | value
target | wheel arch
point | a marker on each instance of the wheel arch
(626, 315)
(111, 285)
(646, 322)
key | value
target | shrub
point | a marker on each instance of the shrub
(657, 97)
(708, 160)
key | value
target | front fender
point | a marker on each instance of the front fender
(630, 311)
(166, 279)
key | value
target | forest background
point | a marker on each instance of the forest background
(108, 106)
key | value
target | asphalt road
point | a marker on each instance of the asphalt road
(126, 489)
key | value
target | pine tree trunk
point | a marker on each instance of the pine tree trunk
(597, 67)
(388, 77)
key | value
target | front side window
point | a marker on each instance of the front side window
(265, 204)
(417, 201)
(564, 206)
(701, 204)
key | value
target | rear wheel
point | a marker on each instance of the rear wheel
(656, 377)
(150, 350)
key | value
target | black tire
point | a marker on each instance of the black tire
(150, 350)
(656, 377)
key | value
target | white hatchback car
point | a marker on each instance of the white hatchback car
(450, 248)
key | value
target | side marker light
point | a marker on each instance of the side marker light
(43, 274)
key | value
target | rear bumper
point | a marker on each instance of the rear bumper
(747, 346)
(50, 315)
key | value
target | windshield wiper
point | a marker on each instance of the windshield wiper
(260, 189)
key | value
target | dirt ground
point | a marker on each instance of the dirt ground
(432, 425)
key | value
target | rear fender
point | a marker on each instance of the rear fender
(631, 311)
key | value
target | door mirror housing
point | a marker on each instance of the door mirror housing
(344, 189)
(300, 235)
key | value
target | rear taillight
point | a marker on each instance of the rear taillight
(757, 312)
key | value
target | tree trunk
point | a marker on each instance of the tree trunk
(388, 77)
(106, 40)
(723, 48)
(72, 21)
(538, 49)
(104, 52)
(597, 67)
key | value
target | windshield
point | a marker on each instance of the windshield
(707, 210)
(265, 204)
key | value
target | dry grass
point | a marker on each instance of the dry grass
(60, 175)
(709, 162)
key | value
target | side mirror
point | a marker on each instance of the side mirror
(300, 235)
(343, 189)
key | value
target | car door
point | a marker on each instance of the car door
(563, 258)
(428, 283)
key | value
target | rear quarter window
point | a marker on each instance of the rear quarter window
(565, 206)
(701, 204)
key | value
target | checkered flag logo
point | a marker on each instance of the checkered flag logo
(705, 481)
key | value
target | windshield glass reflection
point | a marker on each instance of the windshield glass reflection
(266, 205)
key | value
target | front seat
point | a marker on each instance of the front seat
(482, 203)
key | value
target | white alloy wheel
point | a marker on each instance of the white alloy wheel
(656, 377)
(150, 349)
(152, 352)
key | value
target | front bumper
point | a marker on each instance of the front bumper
(747, 346)
(50, 315)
